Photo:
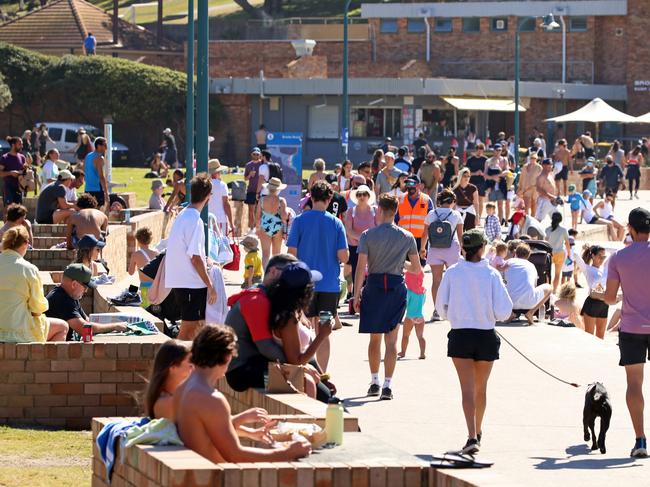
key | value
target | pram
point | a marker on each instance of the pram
(541, 257)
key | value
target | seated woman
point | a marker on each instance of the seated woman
(88, 249)
(22, 302)
(159, 166)
(203, 416)
(178, 194)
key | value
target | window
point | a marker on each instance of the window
(499, 24)
(472, 24)
(578, 24)
(55, 134)
(415, 26)
(443, 25)
(376, 122)
(70, 136)
(388, 26)
(527, 25)
(323, 122)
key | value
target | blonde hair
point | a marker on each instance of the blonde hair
(568, 291)
(14, 238)
(319, 164)
(500, 247)
(461, 173)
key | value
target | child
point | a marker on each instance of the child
(566, 307)
(252, 262)
(492, 225)
(497, 256)
(576, 201)
(415, 297)
(156, 201)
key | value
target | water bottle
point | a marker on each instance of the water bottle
(334, 421)
(127, 215)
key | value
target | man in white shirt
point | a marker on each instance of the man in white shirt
(521, 283)
(185, 262)
(218, 204)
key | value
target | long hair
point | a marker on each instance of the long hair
(590, 252)
(83, 255)
(556, 219)
(460, 175)
(286, 301)
(171, 353)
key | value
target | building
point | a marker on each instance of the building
(441, 68)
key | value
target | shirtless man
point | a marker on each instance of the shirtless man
(87, 221)
(203, 416)
(563, 155)
(546, 191)
(527, 182)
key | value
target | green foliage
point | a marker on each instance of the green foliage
(24, 72)
(5, 94)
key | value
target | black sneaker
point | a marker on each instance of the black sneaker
(471, 447)
(386, 394)
(640, 449)
(478, 438)
(127, 298)
(373, 390)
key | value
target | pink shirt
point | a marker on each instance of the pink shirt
(361, 221)
(415, 282)
(630, 267)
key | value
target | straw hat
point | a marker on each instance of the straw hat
(275, 184)
(214, 166)
(363, 189)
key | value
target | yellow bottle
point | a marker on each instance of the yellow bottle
(334, 421)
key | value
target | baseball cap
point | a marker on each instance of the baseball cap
(89, 241)
(517, 216)
(330, 178)
(473, 238)
(412, 180)
(591, 159)
(572, 188)
(65, 174)
(586, 193)
(639, 220)
(256, 150)
(81, 274)
(167, 131)
(298, 274)
(389, 154)
(497, 146)
(547, 161)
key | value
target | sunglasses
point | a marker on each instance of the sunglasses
(363, 195)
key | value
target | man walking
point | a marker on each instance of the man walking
(563, 155)
(90, 44)
(185, 263)
(255, 182)
(413, 208)
(628, 270)
(382, 303)
(171, 152)
(318, 239)
(96, 183)
(546, 191)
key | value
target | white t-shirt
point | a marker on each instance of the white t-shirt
(588, 213)
(264, 172)
(521, 281)
(452, 216)
(215, 204)
(71, 195)
(50, 171)
(186, 239)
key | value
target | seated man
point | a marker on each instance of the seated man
(52, 206)
(203, 415)
(87, 221)
(17, 217)
(64, 302)
(523, 224)
(521, 283)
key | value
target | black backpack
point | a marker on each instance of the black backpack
(275, 171)
(441, 235)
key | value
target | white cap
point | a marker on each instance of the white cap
(389, 154)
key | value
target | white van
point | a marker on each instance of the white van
(64, 137)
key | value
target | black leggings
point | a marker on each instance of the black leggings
(634, 188)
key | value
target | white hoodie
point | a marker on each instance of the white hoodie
(472, 295)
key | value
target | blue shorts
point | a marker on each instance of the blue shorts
(415, 305)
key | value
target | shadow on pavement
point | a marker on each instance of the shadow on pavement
(592, 463)
(353, 402)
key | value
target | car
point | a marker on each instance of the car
(4, 147)
(64, 137)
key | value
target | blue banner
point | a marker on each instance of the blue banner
(286, 149)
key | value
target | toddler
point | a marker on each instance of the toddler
(497, 256)
(252, 262)
(492, 225)
(576, 201)
(415, 297)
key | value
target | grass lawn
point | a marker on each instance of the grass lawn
(30, 457)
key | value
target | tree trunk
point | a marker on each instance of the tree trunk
(248, 8)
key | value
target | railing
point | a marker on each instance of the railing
(306, 20)
(576, 71)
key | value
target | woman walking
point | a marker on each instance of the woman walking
(451, 168)
(467, 198)
(318, 175)
(473, 298)
(271, 218)
(345, 178)
(358, 219)
(633, 171)
(558, 237)
(593, 264)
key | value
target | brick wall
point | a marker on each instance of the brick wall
(65, 384)
(46, 242)
(638, 61)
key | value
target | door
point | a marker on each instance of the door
(68, 145)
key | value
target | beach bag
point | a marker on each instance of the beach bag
(233, 265)
(285, 378)
(220, 250)
(238, 190)
(441, 235)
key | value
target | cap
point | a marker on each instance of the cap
(586, 193)
(547, 162)
(517, 216)
(89, 241)
(572, 188)
(330, 178)
(65, 174)
(473, 238)
(412, 179)
(81, 274)
(497, 146)
(250, 242)
(167, 131)
(389, 154)
(298, 274)
(591, 159)
(388, 139)
(256, 150)
(157, 184)
(639, 220)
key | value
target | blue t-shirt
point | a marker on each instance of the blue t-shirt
(90, 42)
(318, 236)
(576, 200)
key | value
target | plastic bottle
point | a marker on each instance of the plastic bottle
(334, 421)
(127, 216)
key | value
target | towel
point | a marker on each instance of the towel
(108, 436)
(216, 313)
(156, 432)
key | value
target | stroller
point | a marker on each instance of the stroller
(541, 257)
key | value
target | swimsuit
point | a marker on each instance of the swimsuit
(271, 222)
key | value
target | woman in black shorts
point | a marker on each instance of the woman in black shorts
(473, 298)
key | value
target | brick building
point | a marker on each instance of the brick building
(441, 68)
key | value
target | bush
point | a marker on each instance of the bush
(5, 94)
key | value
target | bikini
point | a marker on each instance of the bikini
(271, 222)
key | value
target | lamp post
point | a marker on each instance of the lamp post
(548, 24)
(189, 102)
(202, 99)
(344, 109)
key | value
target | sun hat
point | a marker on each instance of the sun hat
(275, 183)
(81, 274)
(250, 242)
(157, 184)
(214, 166)
(363, 189)
(298, 274)
(473, 238)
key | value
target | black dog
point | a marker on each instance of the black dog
(596, 405)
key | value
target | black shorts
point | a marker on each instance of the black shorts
(251, 198)
(563, 175)
(634, 348)
(594, 308)
(613, 189)
(191, 303)
(99, 196)
(323, 302)
(473, 344)
(479, 182)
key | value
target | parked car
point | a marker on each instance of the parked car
(64, 136)
(4, 147)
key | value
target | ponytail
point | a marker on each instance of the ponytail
(589, 253)
(556, 219)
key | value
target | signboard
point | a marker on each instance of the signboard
(286, 149)
(642, 85)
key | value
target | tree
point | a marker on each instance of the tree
(5, 94)
(272, 8)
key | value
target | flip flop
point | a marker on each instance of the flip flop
(458, 460)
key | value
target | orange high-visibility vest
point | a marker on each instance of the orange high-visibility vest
(411, 218)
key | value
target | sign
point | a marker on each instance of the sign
(642, 85)
(286, 149)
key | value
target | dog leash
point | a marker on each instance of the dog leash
(573, 384)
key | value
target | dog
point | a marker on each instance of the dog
(597, 404)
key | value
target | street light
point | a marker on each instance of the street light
(344, 108)
(548, 24)
(189, 102)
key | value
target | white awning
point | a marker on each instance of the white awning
(643, 118)
(596, 111)
(484, 104)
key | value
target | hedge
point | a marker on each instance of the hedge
(5, 94)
